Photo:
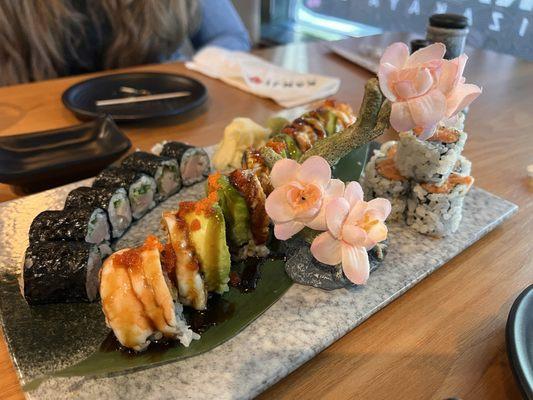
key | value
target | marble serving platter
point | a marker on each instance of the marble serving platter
(302, 323)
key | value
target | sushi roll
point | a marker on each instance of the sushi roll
(249, 187)
(254, 161)
(141, 188)
(437, 210)
(138, 298)
(164, 170)
(88, 224)
(113, 200)
(182, 263)
(58, 272)
(382, 179)
(432, 160)
(193, 161)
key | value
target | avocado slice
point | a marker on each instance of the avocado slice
(207, 233)
(233, 207)
(329, 120)
(293, 151)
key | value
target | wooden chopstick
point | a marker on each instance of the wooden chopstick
(140, 99)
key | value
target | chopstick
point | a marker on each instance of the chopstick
(140, 99)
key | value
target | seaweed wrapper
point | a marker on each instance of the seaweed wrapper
(68, 224)
(84, 197)
(144, 162)
(116, 177)
(56, 272)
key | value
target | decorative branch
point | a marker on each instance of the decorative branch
(372, 121)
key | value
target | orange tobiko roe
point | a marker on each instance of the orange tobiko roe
(195, 225)
(212, 182)
(131, 258)
(203, 206)
(278, 147)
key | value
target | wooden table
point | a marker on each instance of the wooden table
(443, 338)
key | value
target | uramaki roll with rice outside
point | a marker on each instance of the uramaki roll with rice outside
(437, 210)
(430, 161)
(382, 179)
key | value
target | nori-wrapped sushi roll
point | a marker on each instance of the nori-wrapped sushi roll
(193, 161)
(86, 224)
(113, 200)
(57, 272)
(141, 187)
(164, 170)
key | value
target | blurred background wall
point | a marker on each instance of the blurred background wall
(502, 25)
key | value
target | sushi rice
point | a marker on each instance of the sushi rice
(436, 214)
(141, 194)
(376, 185)
(427, 161)
(119, 212)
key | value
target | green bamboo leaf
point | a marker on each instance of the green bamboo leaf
(351, 166)
(245, 308)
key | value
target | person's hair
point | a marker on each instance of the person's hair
(35, 34)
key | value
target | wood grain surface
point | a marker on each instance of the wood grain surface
(443, 338)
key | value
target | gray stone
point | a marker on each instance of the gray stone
(304, 269)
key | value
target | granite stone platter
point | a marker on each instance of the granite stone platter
(303, 322)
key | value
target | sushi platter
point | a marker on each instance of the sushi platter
(214, 272)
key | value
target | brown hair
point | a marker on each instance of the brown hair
(35, 34)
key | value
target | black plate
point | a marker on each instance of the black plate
(38, 160)
(519, 337)
(81, 97)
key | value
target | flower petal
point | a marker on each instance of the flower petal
(283, 172)
(461, 63)
(435, 51)
(400, 117)
(426, 132)
(448, 76)
(334, 189)
(354, 235)
(277, 205)
(413, 82)
(357, 213)
(353, 193)
(315, 169)
(386, 74)
(355, 264)
(429, 109)
(326, 249)
(377, 233)
(287, 230)
(336, 212)
(380, 207)
(460, 97)
(396, 54)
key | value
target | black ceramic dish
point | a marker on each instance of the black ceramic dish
(81, 98)
(519, 338)
(38, 160)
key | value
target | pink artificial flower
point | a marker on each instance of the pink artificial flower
(300, 194)
(354, 227)
(423, 87)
